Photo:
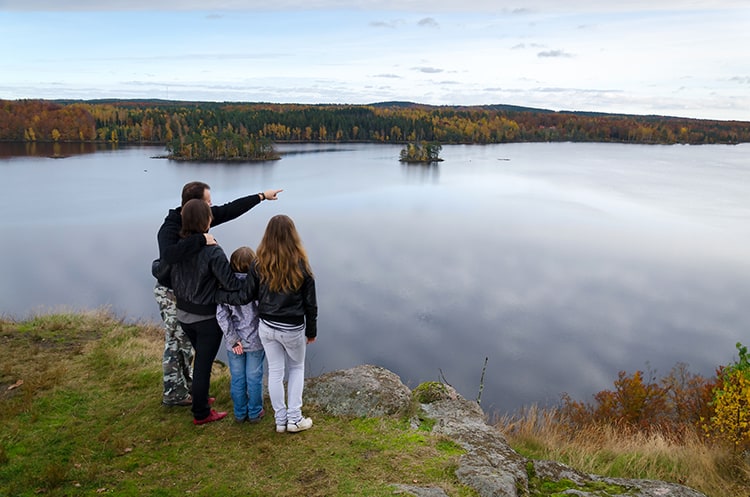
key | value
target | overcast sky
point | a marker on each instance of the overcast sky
(668, 57)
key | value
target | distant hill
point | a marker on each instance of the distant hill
(489, 107)
(240, 128)
(392, 104)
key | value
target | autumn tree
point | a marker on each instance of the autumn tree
(672, 405)
(421, 152)
(730, 421)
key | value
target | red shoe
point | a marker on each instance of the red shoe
(214, 416)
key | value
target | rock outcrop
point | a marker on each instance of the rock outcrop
(489, 466)
(364, 391)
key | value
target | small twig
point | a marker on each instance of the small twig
(481, 381)
(442, 378)
(16, 385)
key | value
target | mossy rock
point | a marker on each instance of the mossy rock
(432, 391)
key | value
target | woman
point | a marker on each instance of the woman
(196, 280)
(288, 312)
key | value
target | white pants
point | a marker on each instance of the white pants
(285, 350)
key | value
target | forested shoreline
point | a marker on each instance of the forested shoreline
(225, 131)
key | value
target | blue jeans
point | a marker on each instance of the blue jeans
(246, 387)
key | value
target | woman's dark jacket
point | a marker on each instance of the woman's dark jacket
(200, 279)
(172, 248)
(292, 308)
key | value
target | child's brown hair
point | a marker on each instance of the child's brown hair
(241, 259)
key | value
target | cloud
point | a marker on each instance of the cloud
(554, 54)
(743, 80)
(509, 6)
(428, 70)
(395, 76)
(428, 22)
(587, 91)
(522, 46)
(386, 24)
(191, 57)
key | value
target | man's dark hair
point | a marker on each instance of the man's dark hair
(194, 189)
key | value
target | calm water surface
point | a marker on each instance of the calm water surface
(560, 263)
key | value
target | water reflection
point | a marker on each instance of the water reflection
(51, 149)
(562, 266)
(422, 172)
(310, 148)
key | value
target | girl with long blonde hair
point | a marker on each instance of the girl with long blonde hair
(288, 312)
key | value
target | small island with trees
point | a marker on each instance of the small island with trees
(422, 152)
(221, 145)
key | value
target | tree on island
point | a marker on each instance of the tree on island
(421, 152)
(221, 145)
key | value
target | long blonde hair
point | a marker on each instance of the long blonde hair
(281, 257)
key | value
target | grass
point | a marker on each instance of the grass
(80, 413)
(87, 420)
(609, 451)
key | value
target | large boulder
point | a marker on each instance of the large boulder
(363, 391)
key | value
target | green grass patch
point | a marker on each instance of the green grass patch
(87, 420)
(548, 488)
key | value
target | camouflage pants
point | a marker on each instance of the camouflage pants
(178, 352)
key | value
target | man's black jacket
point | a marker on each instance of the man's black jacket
(172, 248)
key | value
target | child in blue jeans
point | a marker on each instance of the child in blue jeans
(244, 350)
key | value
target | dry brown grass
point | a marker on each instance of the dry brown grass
(618, 452)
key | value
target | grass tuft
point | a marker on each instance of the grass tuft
(430, 391)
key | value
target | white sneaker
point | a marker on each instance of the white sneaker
(280, 428)
(301, 425)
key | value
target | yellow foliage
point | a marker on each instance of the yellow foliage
(731, 404)
(731, 410)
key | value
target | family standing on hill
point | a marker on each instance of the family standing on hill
(267, 297)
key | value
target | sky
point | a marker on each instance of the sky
(665, 57)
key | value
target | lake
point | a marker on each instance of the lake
(561, 263)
